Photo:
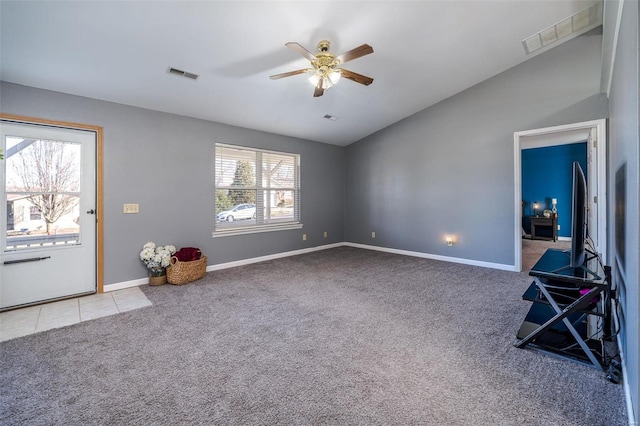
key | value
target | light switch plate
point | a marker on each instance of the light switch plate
(131, 208)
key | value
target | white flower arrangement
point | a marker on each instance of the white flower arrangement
(156, 258)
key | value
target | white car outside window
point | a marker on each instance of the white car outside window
(241, 211)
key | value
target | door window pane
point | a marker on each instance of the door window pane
(42, 190)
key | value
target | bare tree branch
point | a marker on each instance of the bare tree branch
(50, 171)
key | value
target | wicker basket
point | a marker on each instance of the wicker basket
(157, 280)
(179, 273)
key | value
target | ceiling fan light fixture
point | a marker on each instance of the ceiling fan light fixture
(326, 83)
(314, 79)
(329, 78)
(334, 76)
(325, 72)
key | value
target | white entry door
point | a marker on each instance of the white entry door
(47, 220)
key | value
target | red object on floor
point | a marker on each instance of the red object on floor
(188, 254)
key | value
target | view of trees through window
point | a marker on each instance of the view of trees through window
(42, 187)
(255, 188)
(243, 178)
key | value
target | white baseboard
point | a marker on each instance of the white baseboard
(125, 284)
(270, 257)
(528, 237)
(627, 388)
(501, 266)
(143, 281)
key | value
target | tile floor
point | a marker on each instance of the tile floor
(33, 319)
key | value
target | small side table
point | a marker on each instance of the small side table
(544, 222)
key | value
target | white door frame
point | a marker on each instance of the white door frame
(99, 181)
(599, 153)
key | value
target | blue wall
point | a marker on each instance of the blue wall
(547, 174)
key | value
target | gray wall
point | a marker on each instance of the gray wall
(624, 138)
(449, 169)
(445, 170)
(164, 162)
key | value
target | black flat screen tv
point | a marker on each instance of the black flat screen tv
(578, 217)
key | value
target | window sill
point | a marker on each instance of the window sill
(255, 229)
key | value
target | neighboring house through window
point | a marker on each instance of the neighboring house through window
(34, 213)
(256, 190)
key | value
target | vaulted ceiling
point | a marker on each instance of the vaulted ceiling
(424, 52)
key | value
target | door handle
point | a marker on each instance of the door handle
(92, 211)
(31, 259)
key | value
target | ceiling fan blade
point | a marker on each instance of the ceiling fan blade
(319, 91)
(356, 53)
(301, 50)
(290, 73)
(354, 76)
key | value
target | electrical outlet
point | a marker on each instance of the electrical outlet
(131, 208)
(373, 234)
(325, 234)
(558, 227)
(304, 237)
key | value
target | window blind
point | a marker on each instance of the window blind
(255, 189)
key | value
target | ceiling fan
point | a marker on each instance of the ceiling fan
(325, 66)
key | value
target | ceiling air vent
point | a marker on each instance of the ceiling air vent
(176, 71)
(575, 25)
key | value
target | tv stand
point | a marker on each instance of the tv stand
(569, 309)
(583, 267)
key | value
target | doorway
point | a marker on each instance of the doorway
(594, 132)
(50, 244)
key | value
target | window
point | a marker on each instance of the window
(256, 190)
(34, 213)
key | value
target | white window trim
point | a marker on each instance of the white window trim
(266, 227)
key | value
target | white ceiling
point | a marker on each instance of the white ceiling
(424, 52)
